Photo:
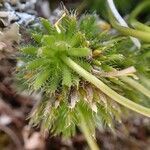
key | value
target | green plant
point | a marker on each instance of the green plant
(82, 72)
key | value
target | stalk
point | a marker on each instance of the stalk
(105, 89)
(121, 21)
(136, 85)
(144, 36)
(85, 130)
(134, 22)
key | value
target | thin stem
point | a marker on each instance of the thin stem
(136, 85)
(105, 89)
(121, 21)
(134, 22)
(85, 130)
(144, 36)
(140, 26)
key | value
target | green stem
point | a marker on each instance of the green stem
(85, 130)
(144, 36)
(134, 22)
(136, 85)
(105, 89)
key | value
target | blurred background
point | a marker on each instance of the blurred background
(15, 133)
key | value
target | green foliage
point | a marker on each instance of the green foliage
(67, 96)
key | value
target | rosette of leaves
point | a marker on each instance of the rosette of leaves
(79, 70)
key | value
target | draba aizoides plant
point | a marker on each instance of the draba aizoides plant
(82, 74)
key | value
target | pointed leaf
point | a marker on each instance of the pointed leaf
(47, 25)
(32, 65)
(37, 37)
(67, 80)
(29, 50)
(48, 40)
(79, 52)
(41, 78)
